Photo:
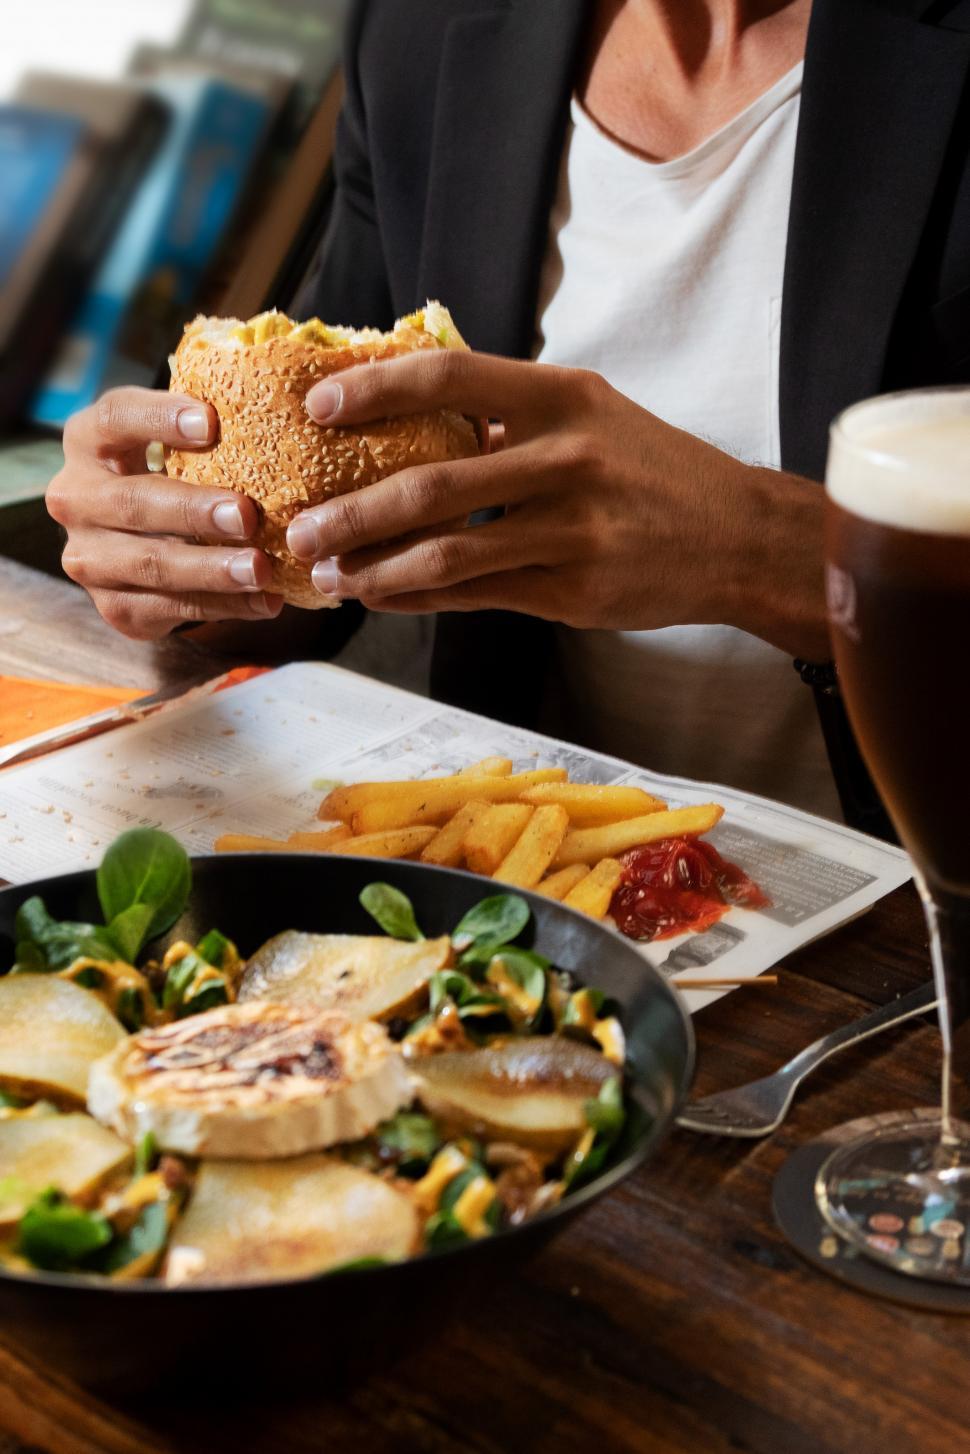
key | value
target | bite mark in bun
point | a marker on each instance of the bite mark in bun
(256, 375)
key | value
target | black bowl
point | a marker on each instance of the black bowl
(129, 1335)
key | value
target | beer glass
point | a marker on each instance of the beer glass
(897, 553)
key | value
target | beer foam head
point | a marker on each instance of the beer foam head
(904, 460)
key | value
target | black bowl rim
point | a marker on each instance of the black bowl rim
(573, 1203)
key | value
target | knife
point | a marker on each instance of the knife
(26, 749)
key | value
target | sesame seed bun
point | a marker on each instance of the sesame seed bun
(256, 376)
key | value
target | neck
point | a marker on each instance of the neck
(695, 36)
(660, 75)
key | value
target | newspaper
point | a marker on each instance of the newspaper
(259, 756)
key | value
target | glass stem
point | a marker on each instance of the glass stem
(948, 918)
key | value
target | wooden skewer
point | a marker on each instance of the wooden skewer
(683, 983)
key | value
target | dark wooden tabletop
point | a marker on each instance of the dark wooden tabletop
(673, 1317)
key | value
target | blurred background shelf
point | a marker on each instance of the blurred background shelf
(198, 135)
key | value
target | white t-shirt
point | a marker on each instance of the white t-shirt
(666, 279)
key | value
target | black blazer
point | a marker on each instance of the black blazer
(446, 166)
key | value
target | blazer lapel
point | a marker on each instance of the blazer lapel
(506, 76)
(879, 100)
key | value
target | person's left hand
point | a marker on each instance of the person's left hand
(612, 518)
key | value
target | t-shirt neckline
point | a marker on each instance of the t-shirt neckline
(743, 124)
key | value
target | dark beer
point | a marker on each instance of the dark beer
(900, 611)
(897, 551)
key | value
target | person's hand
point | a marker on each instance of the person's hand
(612, 518)
(153, 552)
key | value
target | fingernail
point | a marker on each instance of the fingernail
(324, 400)
(326, 577)
(303, 538)
(228, 520)
(193, 424)
(242, 569)
(262, 606)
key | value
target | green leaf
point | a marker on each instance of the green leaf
(29, 959)
(130, 1009)
(585, 1000)
(212, 947)
(412, 1138)
(178, 978)
(148, 1235)
(358, 1264)
(607, 1116)
(129, 930)
(145, 866)
(489, 925)
(57, 1236)
(89, 979)
(212, 994)
(441, 1230)
(450, 984)
(391, 909)
(528, 970)
(458, 1184)
(146, 1154)
(470, 999)
(56, 942)
(11, 1103)
(416, 1026)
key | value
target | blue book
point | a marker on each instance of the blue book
(173, 228)
(36, 152)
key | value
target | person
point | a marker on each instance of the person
(679, 238)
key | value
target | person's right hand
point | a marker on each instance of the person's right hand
(154, 552)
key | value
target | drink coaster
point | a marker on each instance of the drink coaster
(796, 1213)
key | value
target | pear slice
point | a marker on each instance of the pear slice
(531, 1089)
(368, 977)
(258, 1221)
(70, 1152)
(51, 1033)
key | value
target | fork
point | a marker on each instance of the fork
(759, 1108)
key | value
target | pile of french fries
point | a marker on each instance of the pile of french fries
(533, 830)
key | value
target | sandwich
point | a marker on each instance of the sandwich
(256, 375)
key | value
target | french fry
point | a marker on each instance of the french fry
(397, 843)
(557, 885)
(433, 800)
(250, 843)
(593, 893)
(531, 855)
(342, 803)
(493, 834)
(589, 805)
(319, 842)
(447, 846)
(586, 845)
(488, 767)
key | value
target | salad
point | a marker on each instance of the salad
(205, 1116)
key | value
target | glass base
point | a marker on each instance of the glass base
(902, 1196)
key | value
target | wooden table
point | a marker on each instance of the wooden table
(673, 1317)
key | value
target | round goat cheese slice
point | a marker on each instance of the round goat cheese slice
(251, 1081)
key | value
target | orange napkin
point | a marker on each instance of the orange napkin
(28, 707)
